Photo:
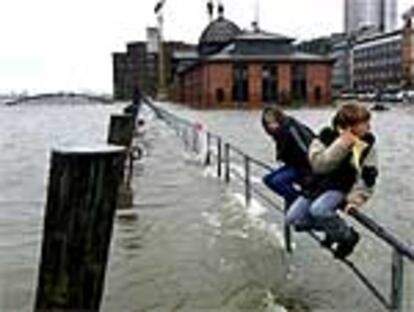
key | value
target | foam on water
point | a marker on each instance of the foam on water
(255, 210)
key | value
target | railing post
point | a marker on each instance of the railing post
(287, 233)
(397, 281)
(208, 157)
(219, 157)
(184, 136)
(195, 139)
(247, 185)
(227, 162)
(187, 138)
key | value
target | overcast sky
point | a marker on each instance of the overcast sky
(66, 45)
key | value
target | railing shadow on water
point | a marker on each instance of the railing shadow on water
(401, 284)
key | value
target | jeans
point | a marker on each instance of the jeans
(319, 214)
(281, 181)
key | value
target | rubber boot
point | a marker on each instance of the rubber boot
(347, 244)
(336, 231)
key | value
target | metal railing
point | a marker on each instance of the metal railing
(401, 252)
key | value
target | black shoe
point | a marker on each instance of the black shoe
(346, 246)
(303, 227)
(327, 242)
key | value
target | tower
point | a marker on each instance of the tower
(210, 10)
(378, 15)
(408, 49)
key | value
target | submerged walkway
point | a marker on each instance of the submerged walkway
(187, 245)
(322, 282)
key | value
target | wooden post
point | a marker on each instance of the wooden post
(121, 131)
(81, 202)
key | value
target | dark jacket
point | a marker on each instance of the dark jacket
(292, 143)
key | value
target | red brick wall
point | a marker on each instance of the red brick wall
(200, 84)
(319, 76)
(192, 88)
(205, 86)
(218, 76)
(284, 79)
(255, 86)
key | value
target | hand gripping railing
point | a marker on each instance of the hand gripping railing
(401, 249)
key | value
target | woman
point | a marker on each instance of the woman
(292, 140)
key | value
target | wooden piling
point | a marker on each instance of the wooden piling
(81, 202)
(121, 131)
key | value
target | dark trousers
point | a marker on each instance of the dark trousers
(282, 181)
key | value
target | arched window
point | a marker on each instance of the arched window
(240, 83)
(298, 82)
(318, 95)
(219, 95)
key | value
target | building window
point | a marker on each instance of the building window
(269, 84)
(298, 82)
(318, 95)
(240, 83)
(219, 95)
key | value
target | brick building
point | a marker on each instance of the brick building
(138, 66)
(385, 61)
(229, 68)
(247, 69)
(120, 79)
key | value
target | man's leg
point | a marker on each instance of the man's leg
(326, 204)
(281, 182)
(323, 210)
(298, 214)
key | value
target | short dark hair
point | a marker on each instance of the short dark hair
(349, 115)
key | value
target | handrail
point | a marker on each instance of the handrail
(384, 234)
(400, 249)
(363, 219)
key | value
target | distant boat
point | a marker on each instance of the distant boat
(378, 107)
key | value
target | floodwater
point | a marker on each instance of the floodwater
(190, 243)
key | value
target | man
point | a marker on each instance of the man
(343, 160)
